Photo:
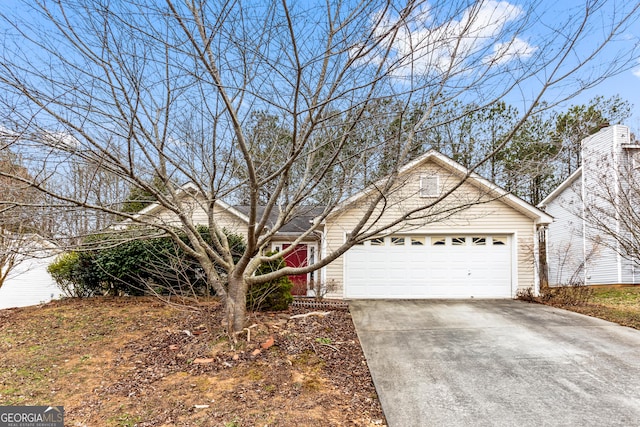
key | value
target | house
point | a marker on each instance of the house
(478, 242)
(29, 283)
(591, 210)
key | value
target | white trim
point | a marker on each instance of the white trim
(515, 285)
(515, 202)
(565, 184)
(280, 244)
(536, 261)
(344, 266)
(583, 195)
(182, 191)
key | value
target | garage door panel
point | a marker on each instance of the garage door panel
(476, 268)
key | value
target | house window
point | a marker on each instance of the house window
(438, 241)
(478, 241)
(499, 241)
(429, 186)
(349, 235)
(377, 241)
(417, 241)
(397, 241)
(458, 241)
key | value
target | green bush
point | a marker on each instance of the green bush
(73, 273)
(135, 266)
(274, 295)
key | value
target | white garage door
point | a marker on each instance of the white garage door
(455, 266)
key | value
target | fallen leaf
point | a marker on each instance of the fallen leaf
(268, 343)
(202, 360)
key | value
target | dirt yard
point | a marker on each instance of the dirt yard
(140, 362)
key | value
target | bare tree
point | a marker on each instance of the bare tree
(17, 219)
(612, 206)
(168, 91)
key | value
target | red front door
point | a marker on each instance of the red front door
(297, 258)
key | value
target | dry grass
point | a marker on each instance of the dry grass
(619, 304)
(128, 362)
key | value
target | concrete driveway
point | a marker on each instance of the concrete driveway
(498, 363)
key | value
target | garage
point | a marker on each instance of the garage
(431, 266)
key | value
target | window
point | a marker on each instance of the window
(417, 241)
(377, 241)
(458, 241)
(397, 241)
(438, 241)
(349, 235)
(429, 186)
(499, 241)
(478, 241)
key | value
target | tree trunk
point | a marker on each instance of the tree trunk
(236, 304)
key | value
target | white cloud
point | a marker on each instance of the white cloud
(506, 52)
(422, 45)
(62, 140)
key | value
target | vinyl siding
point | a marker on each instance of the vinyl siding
(224, 218)
(604, 160)
(491, 216)
(565, 248)
(29, 284)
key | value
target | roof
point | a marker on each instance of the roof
(296, 225)
(560, 189)
(539, 216)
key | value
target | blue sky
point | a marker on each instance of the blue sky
(508, 37)
(529, 41)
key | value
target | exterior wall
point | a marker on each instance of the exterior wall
(565, 246)
(448, 217)
(224, 218)
(604, 160)
(29, 284)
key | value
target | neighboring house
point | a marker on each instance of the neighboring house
(479, 242)
(29, 283)
(583, 242)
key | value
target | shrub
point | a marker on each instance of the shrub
(274, 295)
(73, 274)
(575, 294)
(136, 267)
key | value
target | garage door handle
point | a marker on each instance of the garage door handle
(468, 272)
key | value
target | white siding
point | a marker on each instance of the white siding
(589, 206)
(29, 284)
(223, 218)
(604, 160)
(492, 216)
(565, 248)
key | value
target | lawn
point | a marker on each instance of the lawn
(619, 304)
(139, 362)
